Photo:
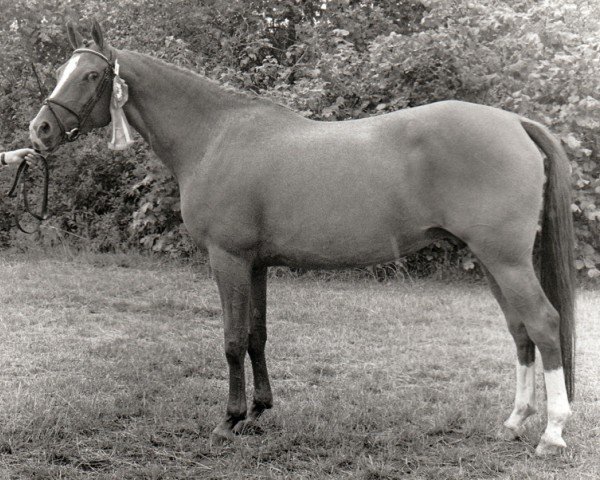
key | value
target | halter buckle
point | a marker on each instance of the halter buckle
(72, 135)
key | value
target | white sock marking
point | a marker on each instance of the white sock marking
(524, 397)
(558, 406)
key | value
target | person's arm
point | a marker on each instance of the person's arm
(17, 156)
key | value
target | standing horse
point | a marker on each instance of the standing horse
(261, 185)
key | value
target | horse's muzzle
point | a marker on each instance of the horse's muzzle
(44, 133)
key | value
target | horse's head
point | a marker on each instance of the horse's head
(81, 99)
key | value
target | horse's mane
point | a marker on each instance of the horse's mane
(229, 89)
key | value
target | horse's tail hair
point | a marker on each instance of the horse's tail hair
(557, 243)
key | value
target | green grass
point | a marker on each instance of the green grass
(112, 367)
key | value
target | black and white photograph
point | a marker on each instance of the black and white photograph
(300, 239)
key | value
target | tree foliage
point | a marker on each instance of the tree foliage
(329, 60)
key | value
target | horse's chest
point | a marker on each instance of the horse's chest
(215, 218)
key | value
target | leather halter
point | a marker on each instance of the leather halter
(86, 110)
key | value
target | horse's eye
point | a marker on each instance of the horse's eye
(92, 76)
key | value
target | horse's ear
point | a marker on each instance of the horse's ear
(97, 34)
(75, 37)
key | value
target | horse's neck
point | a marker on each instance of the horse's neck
(175, 111)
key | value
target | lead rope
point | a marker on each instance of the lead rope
(21, 179)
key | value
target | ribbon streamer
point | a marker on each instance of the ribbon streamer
(122, 135)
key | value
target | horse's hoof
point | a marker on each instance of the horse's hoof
(220, 436)
(247, 426)
(550, 446)
(509, 434)
(241, 427)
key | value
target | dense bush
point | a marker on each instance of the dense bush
(329, 60)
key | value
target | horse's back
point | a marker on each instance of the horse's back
(455, 166)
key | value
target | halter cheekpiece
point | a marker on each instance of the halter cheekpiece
(106, 81)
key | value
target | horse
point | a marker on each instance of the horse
(263, 186)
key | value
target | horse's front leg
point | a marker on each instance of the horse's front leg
(263, 398)
(233, 276)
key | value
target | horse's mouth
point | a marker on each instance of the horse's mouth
(40, 148)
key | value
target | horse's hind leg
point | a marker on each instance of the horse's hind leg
(525, 404)
(525, 301)
(257, 339)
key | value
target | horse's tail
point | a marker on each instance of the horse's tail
(557, 242)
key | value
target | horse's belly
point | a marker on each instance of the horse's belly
(335, 247)
(342, 224)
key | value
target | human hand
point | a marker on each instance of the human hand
(18, 156)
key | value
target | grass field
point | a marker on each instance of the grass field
(112, 367)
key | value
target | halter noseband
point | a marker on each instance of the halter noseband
(86, 110)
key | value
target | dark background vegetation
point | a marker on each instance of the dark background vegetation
(329, 60)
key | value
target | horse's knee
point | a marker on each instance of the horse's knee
(257, 341)
(235, 350)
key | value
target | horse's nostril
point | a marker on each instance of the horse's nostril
(44, 128)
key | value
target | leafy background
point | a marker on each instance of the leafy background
(329, 60)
